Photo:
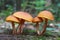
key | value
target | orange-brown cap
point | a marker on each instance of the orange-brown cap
(36, 19)
(12, 19)
(46, 14)
(23, 15)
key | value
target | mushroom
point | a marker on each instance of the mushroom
(12, 19)
(24, 16)
(45, 15)
(37, 21)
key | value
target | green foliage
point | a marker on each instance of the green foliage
(39, 4)
(58, 38)
(1, 2)
(5, 13)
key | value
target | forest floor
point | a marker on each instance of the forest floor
(46, 36)
(49, 35)
(26, 37)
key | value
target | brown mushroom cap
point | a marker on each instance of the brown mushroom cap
(23, 15)
(36, 19)
(12, 19)
(46, 14)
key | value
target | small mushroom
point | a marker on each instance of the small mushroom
(24, 16)
(37, 21)
(12, 19)
(46, 15)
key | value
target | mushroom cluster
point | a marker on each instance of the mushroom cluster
(45, 15)
(23, 16)
(20, 17)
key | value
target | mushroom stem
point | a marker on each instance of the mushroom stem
(37, 28)
(44, 27)
(13, 26)
(20, 27)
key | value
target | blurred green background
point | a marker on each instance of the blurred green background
(7, 7)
